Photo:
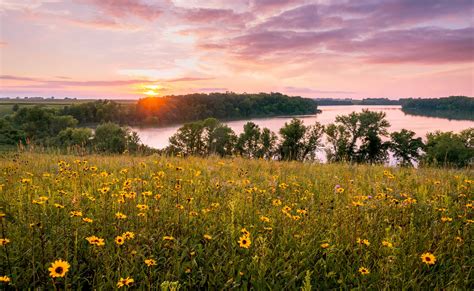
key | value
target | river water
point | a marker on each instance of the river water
(157, 137)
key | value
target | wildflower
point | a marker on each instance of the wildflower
(364, 271)
(125, 282)
(179, 206)
(128, 235)
(147, 193)
(245, 242)
(264, 219)
(168, 238)
(5, 279)
(150, 262)
(58, 269)
(276, 202)
(4, 241)
(324, 245)
(357, 203)
(119, 240)
(207, 237)
(87, 220)
(428, 258)
(340, 190)
(446, 219)
(363, 241)
(387, 244)
(93, 240)
(75, 213)
(120, 215)
(459, 240)
(245, 232)
(57, 205)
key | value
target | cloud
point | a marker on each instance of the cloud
(306, 91)
(130, 8)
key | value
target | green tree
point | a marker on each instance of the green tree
(358, 137)
(450, 149)
(299, 142)
(204, 137)
(338, 142)
(405, 147)
(110, 137)
(74, 137)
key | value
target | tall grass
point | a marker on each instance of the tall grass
(309, 225)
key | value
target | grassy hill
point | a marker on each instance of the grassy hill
(232, 223)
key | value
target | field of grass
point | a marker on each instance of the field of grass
(216, 223)
(6, 105)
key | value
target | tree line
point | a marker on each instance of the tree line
(357, 138)
(183, 108)
(454, 107)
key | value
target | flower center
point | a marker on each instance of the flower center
(59, 270)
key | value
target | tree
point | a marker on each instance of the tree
(248, 141)
(110, 137)
(203, 138)
(256, 143)
(358, 137)
(268, 141)
(450, 149)
(338, 140)
(299, 142)
(405, 147)
(74, 137)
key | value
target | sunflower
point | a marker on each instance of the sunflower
(58, 269)
(150, 262)
(364, 271)
(120, 240)
(125, 282)
(428, 258)
(207, 237)
(93, 240)
(4, 241)
(245, 242)
(87, 220)
(128, 235)
(264, 219)
(324, 245)
(5, 279)
(120, 215)
(387, 244)
(169, 238)
(245, 232)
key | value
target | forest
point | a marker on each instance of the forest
(454, 107)
(167, 110)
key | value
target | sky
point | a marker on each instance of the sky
(128, 49)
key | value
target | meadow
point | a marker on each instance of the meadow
(105, 222)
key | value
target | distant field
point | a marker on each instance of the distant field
(6, 106)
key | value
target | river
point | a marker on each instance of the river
(157, 137)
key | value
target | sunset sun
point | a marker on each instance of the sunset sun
(151, 90)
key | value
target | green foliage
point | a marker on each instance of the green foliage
(41, 124)
(256, 143)
(454, 107)
(191, 107)
(74, 137)
(405, 147)
(204, 137)
(110, 137)
(450, 149)
(299, 142)
(9, 135)
(357, 137)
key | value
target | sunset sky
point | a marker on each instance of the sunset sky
(129, 48)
